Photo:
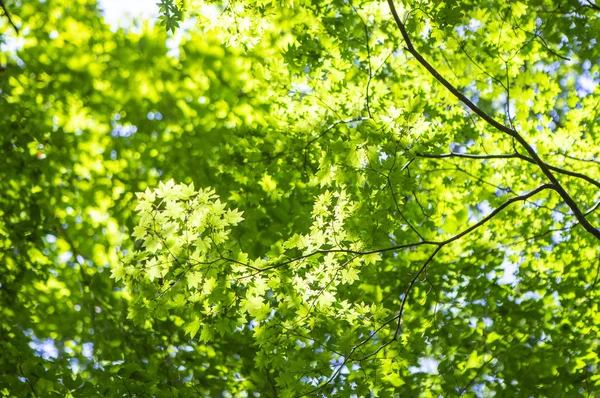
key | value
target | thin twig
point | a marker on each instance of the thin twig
(7, 15)
(31, 385)
(509, 156)
(409, 288)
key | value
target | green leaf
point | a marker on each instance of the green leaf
(192, 327)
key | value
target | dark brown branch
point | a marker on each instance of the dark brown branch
(497, 125)
(509, 156)
(579, 159)
(7, 15)
(406, 245)
(395, 200)
(409, 288)
(31, 385)
(457, 237)
(592, 5)
(345, 251)
(465, 155)
(592, 209)
(496, 211)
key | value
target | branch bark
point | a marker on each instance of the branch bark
(7, 15)
(509, 156)
(497, 125)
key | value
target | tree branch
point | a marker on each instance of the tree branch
(410, 286)
(31, 385)
(406, 245)
(496, 211)
(473, 227)
(398, 317)
(7, 14)
(509, 156)
(494, 123)
(592, 5)
(592, 209)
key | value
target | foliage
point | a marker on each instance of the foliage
(419, 184)
(171, 14)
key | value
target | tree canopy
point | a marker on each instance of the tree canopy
(342, 198)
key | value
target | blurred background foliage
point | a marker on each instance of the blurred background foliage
(272, 105)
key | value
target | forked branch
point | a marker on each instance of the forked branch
(579, 215)
(509, 156)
